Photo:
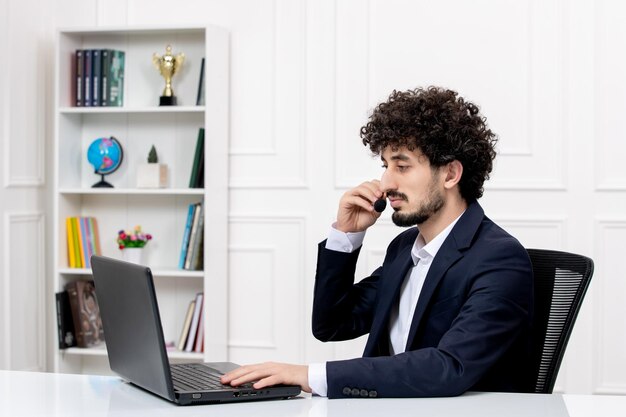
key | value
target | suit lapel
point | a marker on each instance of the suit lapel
(450, 252)
(389, 289)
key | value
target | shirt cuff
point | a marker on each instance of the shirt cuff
(344, 242)
(317, 379)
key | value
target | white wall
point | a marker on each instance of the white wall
(550, 75)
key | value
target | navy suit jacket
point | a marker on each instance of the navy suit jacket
(472, 324)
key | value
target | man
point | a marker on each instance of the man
(450, 309)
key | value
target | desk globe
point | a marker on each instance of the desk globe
(106, 155)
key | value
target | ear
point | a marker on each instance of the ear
(453, 172)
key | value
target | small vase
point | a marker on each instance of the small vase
(133, 255)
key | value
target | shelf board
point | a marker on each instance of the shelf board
(157, 272)
(133, 191)
(101, 350)
(129, 110)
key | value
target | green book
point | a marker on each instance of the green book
(195, 180)
(115, 81)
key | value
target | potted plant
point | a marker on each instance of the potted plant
(153, 174)
(131, 243)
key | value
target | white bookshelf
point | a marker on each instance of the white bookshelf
(138, 125)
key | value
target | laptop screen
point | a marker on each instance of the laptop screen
(132, 324)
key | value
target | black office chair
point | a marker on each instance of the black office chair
(561, 280)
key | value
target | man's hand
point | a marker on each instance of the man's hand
(356, 208)
(269, 373)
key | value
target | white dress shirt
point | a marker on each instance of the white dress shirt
(401, 316)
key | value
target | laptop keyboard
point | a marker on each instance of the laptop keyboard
(198, 377)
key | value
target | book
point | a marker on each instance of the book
(115, 90)
(87, 67)
(105, 64)
(193, 235)
(199, 345)
(198, 160)
(95, 235)
(200, 95)
(96, 82)
(85, 313)
(80, 245)
(187, 231)
(76, 243)
(65, 324)
(182, 341)
(86, 250)
(195, 319)
(196, 244)
(71, 256)
(79, 64)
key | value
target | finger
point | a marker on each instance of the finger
(367, 191)
(374, 186)
(253, 376)
(237, 373)
(269, 381)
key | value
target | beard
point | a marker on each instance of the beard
(434, 202)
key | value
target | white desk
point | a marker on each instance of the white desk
(41, 394)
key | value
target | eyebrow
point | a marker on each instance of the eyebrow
(397, 157)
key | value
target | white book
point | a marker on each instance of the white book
(193, 329)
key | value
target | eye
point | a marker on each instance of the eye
(402, 168)
(383, 166)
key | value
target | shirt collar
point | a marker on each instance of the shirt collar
(425, 252)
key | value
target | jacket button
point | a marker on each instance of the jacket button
(364, 393)
(355, 392)
(373, 394)
(346, 391)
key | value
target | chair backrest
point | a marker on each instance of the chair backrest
(561, 280)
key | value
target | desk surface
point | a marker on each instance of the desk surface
(43, 394)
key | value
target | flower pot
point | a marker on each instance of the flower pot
(133, 255)
(152, 176)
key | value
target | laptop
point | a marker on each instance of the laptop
(136, 346)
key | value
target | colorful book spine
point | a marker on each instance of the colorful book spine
(79, 64)
(76, 243)
(193, 235)
(105, 56)
(87, 67)
(95, 235)
(71, 256)
(84, 239)
(96, 71)
(196, 244)
(185, 244)
(80, 245)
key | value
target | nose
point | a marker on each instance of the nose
(387, 182)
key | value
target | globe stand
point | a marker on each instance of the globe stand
(102, 183)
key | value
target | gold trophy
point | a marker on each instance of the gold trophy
(168, 65)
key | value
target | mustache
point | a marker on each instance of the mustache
(396, 194)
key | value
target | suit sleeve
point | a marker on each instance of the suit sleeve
(342, 310)
(496, 310)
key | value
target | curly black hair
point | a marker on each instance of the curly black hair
(442, 125)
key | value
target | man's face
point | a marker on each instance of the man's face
(412, 186)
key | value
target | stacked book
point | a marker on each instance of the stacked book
(192, 334)
(99, 75)
(83, 240)
(78, 315)
(193, 239)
